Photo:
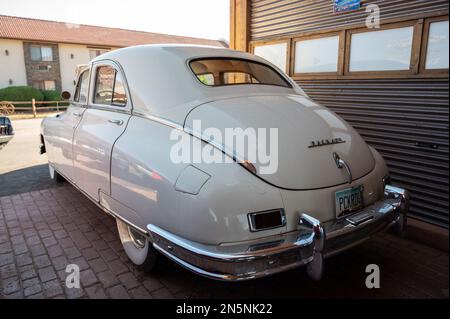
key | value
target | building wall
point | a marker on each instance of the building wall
(405, 117)
(70, 56)
(32, 67)
(12, 66)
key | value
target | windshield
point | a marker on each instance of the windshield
(225, 71)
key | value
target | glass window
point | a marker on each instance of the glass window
(47, 54)
(437, 51)
(274, 53)
(38, 84)
(385, 50)
(238, 78)
(81, 90)
(104, 85)
(207, 78)
(120, 97)
(235, 71)
(35, 52)
(317, 55)
(109, 87)
(49, 85)
(40, 53)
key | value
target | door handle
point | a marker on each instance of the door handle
(77, 114)
(117, 122)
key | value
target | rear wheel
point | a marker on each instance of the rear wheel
(55, 176)
(137, 247)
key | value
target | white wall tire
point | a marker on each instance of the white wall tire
(139, 250)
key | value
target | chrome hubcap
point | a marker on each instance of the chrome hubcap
(138, 239)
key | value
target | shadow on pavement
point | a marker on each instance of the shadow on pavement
(25, 180)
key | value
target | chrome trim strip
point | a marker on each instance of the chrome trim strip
(224, 253)
(160, 120)
(108, 109)
(230, 277)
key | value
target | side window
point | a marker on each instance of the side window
(81, 90)
(109, 87)
(119, 95)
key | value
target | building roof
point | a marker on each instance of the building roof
(62, 32)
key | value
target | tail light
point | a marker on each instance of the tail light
(267, 220)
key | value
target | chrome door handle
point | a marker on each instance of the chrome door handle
(117, 122)
(77, 114)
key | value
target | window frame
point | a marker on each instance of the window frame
(54, 85)
(40, 46)
(281, 75)
(340, 62)
(93, 86)
(255, 44)
(415, 45)
(424, 49)
(78, 86)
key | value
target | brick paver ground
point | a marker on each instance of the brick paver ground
(43, 231)
(44, 228)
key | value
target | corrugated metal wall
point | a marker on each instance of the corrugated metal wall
(407, 120)
(275, 18)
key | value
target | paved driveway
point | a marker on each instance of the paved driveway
(43, 228)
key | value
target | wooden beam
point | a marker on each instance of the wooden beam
(239, 24)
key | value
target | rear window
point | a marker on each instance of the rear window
(222, 71)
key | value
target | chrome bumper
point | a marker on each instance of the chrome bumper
(312, 242)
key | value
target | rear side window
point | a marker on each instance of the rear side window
(81, 90)
(109, 87)
(224, 71)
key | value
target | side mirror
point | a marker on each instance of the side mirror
(65, 95)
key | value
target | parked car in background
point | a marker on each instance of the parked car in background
(226, 221)
(6, 131)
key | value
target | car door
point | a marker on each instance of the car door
(59, 141)
(104, 120)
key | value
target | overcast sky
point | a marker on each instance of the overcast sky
(196, 18)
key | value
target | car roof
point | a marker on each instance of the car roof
(161, 83)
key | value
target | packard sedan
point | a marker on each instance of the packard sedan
(146, 139)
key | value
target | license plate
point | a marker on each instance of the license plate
(349, 200)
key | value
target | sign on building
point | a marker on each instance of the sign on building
(346, 5)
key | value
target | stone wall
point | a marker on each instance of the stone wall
(52, 73)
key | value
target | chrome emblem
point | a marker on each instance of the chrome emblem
(340, 163)
(332, 141)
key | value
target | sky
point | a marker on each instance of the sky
(196, 18)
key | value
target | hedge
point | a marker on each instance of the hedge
(21, 93)
(52, 95)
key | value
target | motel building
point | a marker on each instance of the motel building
(383, 67)
(45, 54)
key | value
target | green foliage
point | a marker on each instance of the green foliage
(20, 93)
(52, 95)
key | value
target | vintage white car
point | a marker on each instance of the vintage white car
(231, 220)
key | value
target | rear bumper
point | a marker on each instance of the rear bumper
(5, 138)
(307, 246)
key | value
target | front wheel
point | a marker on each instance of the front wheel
(137, 247)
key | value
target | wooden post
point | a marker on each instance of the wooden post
(33, 107)
(239, 24)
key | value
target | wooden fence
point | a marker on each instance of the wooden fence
(31, 107)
